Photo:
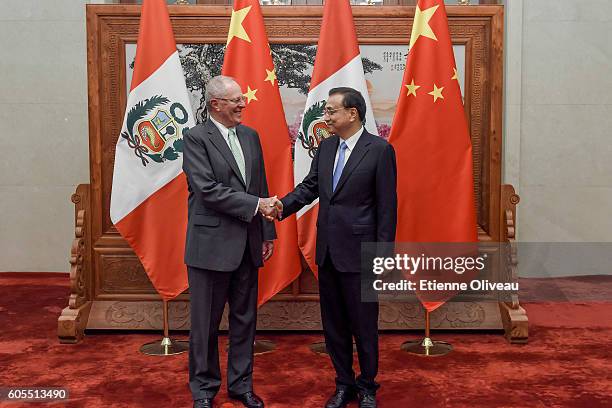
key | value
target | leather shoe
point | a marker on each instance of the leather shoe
(249, 399)
(367, 401)
(340, 399)
(203, 403)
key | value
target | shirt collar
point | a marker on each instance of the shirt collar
(224, 130)
(353, 139)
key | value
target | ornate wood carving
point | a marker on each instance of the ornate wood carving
(73, 319)
(514, 317)
(108, 277)
(123, 273)
(291, 315)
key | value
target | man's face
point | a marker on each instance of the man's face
(228, 109)
(336, 116)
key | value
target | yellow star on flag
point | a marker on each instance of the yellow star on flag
(420, 26)
(412, 88)
(436, 93)
(250, 94)
(271, 76)
(456, 76)
(236, 29)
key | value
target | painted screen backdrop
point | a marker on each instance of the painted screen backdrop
(383, 78)
(383, 84)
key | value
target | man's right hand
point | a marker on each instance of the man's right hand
(279, 207)
(267, 208)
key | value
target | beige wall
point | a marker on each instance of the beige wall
(558, 116)
(43, 136)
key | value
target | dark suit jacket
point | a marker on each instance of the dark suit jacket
(221, 205)
(363, 208)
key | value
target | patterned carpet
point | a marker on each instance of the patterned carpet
(567, 362)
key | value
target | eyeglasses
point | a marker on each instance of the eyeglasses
(235, 101)
(331, 111)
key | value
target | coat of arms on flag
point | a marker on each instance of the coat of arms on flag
(155, 129)
(313, 129)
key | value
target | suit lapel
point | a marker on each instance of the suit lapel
(247, 152)
(217, 139)
(360, 150)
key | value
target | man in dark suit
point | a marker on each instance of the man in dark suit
(354, 176)
(227, 240)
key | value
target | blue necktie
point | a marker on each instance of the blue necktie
(339, 165)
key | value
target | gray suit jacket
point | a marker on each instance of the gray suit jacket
(222, 205)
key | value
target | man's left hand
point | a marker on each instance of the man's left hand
(266, 250)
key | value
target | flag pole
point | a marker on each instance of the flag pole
(427, 347)
(167, 346)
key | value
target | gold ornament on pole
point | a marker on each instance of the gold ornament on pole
(464, 2)
(167, 346)
(427, 347)
(181, 2)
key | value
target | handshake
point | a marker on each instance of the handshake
(270, 208)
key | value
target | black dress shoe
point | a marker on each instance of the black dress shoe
(249, 399)
(340, 399)
(367, 401)
(203, 403)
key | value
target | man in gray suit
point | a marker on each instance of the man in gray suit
(227, 240)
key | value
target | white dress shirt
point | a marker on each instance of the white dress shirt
(350, 145)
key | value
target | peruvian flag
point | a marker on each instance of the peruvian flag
(432, 142)
(248, 60)
(338, 63)
(149, 195)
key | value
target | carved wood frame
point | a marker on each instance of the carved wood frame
(110, 27)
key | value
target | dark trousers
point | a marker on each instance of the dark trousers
(209, 290)
(344, 316)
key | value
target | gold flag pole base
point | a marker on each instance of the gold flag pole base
(427, 347)
(167, 346)
(319, 348)
(263, 347)
(259, 347)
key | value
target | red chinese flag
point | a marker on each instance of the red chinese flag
(432, 142)
(248, 60)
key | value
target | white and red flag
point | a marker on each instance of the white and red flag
(247, 59)
(430, 135)
(337, 63)
(149, 195)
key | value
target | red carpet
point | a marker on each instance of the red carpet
(566, 363)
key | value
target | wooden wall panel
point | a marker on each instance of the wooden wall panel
(115, 274)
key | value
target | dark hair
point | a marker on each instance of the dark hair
(351, 98)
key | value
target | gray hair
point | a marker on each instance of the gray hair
(217, 87)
